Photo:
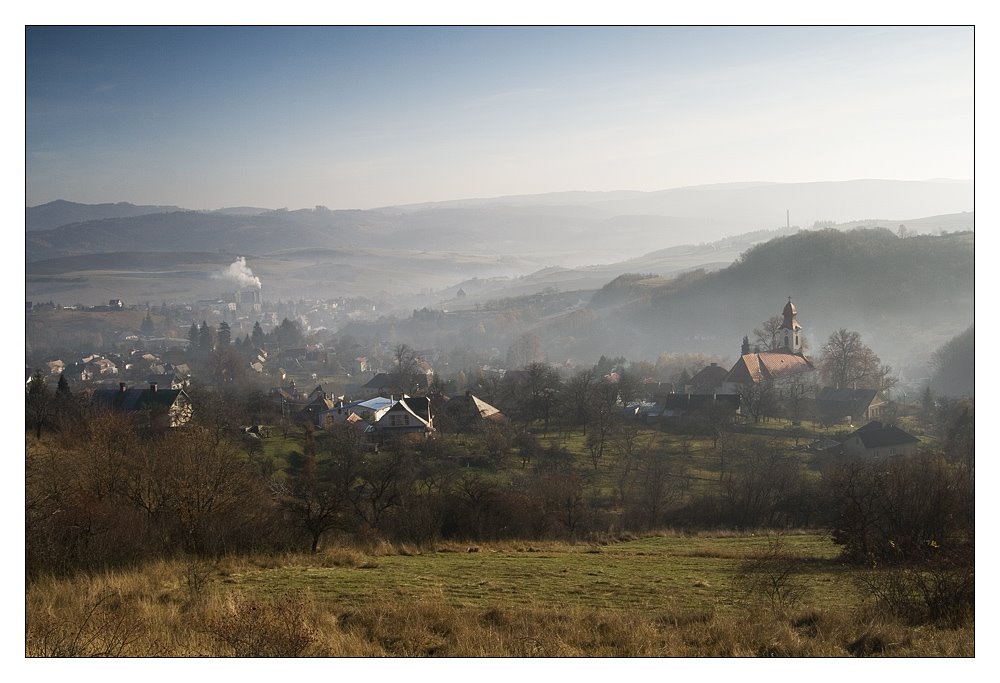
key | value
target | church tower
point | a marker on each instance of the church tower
(791, 332)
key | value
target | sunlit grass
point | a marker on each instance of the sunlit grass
(651, 573)
(665, 595)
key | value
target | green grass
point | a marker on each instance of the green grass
(665, 572)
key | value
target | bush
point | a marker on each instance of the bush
(254, 627)
(101, 626)
(943, 591)
(772, 576)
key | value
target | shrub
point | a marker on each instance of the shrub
(255, 627)
(771, 576)
(943, 591)
(101, 626)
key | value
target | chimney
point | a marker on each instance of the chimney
(121, 387)
(152, 387)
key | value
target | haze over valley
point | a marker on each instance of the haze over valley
(522, 340)
(561, 249)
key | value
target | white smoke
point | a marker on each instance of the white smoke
(239, 272)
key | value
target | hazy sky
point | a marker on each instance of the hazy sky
(364, 117)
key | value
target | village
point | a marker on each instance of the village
(387, 391)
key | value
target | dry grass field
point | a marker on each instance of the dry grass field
(663, 595)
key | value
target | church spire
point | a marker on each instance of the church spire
(791, 331)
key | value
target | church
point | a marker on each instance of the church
(785, 365)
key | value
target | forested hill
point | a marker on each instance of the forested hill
(61, 212)
(905, 295)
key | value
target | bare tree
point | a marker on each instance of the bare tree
(847, 362)
(757, 400)
(768, 335)
(408, 371)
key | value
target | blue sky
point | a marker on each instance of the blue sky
(364, 117)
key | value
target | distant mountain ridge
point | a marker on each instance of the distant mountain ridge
(61, 212)
(567, 229)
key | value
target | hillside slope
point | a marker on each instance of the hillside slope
(906, 296)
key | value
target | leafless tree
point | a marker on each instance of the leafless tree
(847, 362)
(768, 335)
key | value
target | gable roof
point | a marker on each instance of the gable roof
(878, 435)
(132, 400)
(469, 404)
(401, 406)
(383, 380)
(847, 395)
(833, 403)
(767, 365)
(709, 376)
(418, 405)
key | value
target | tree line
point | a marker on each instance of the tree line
(104, 490)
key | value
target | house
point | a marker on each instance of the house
(317, 403)
(167, 380)
(389, 383)
(165, 407)
(700, 406)
(471, 412)
(862, 405)
(368, 411)
(879, 440)
(408, 415)
(708, 380)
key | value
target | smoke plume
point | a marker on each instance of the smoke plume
(239, 272)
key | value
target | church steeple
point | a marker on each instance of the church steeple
(791, 331)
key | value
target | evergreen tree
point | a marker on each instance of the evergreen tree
(62, 389)
(257, 337)
(224, 336)
(147, 328)
(683, 381)
(38, 407)
(205, 337)
(193, 337)
(927, 405)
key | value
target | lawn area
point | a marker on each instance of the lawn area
(655, 573)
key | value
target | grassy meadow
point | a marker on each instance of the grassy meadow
(657, 595)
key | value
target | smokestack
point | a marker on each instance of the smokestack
(121, 387)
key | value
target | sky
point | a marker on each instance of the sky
(360, 117)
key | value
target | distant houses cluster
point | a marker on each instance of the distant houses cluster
(777, 381)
